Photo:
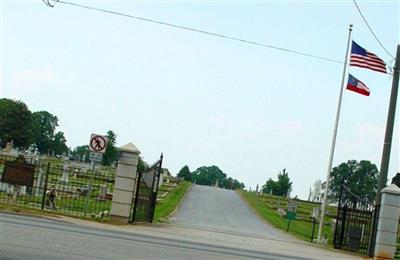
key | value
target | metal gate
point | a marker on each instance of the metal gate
(145, 198)
(397, 252)
(354, 223)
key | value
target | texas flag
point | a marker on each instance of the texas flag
(357, 86)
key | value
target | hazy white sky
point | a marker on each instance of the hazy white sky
(202, 100)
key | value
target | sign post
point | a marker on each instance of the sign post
(97, 147)
(290, 216)
(291, 213)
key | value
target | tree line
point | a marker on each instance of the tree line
(210, 176)
(25, 128)
(37, 131)
(358, 177)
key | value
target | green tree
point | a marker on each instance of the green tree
(43, 128)
(111, 153)
(396, 180)
(141, 165)
(231, 184)
(81, 153)
(59, 144)
(15, 123)
(361, 178)
(269, 186)
(185, 173)
(208, 175)
(281, 187)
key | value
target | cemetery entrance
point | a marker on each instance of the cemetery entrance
(144, 202)
(354, 223)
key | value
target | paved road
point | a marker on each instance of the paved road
(223, 210)
(24, 237)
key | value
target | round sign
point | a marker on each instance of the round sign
(98, 143)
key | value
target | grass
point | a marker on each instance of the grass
(70, 199)
(27, 210)
(63, 204)
(167, 205)
(266, 207)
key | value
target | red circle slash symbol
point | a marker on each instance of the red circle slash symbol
(98, 143)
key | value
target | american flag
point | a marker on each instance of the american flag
(360, 57)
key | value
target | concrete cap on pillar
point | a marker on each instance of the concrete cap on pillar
(129, 148)
(393, 189)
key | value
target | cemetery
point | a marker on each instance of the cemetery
(63, 186)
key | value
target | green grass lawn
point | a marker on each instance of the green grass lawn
(266, 207)
(63, 204)
(168, 204)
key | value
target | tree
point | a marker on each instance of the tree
(15, 123)
(208, 175)
(185, 173)
(281, 187)
(396, 180)
(284, 185)
(361, 178)
(269, 186)
(81, 153)
(43, 128)
(238, 185)
(141, 167)
(316, 191)
(59, 144)
(111, 153)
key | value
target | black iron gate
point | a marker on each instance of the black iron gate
(145, 198)
(397, 252)
(354, 223)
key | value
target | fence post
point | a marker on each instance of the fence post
(45, 185)
(136, 195)
(335, 238)
(154, 193)
(87, 199)
(388, 222)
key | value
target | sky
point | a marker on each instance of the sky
(200, 99)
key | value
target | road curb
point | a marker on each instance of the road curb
(180, 202)
(265, 221)
(304, 242)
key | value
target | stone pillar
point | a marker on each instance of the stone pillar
(124, 184)
(389, 213)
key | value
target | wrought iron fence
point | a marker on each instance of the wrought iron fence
(145, 199)
(63, 189)
(397, 252)
(354, 223)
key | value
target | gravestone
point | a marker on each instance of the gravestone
(103, 192)
(65, 175)
(39, 182)
(22, 191)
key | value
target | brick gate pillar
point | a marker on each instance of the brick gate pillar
(124, 184)
(389, 213)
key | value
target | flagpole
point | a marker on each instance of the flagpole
(387, 144)
(328, 175)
